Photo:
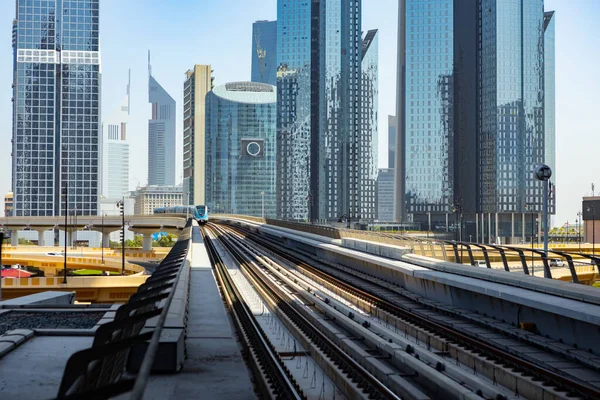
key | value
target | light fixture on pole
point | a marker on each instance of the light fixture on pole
(543, 173)
(591, 208)
(66, 194)
(579, 221)
(121, 206)
(102, 239)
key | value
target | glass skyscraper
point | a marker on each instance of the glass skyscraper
(473, 79)
(161, 134)
(319, 79)
(241, 148)
(264, 52)
(115, 150)
(56, 106)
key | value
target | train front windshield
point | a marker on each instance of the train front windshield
(201, 210)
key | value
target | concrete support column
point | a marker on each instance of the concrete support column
(147, 243)
(447, 226)
(14, 238)
(477, 227)
(497, 229)
(523, 227)
(489, 228)
(512, 228)
(41, 241)
(105, 240)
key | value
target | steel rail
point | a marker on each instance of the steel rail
(346, 363)
(284, 387)
(582, 388)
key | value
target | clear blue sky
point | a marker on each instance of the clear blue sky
(186, 32)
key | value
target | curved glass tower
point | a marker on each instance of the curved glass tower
(240, 149)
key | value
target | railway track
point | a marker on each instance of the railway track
(378, 298)
(352, 379)
(274, 379)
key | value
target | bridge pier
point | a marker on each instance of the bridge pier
(105, 240)
(14, 238)
(41, 241)
(147, 243)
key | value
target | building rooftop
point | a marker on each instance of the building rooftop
(247, 92)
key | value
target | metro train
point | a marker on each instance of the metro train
(199, 213)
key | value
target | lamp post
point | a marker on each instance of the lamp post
(262, 198)
(457, 208)
(347, 216)
(567, 239)
(121, 206)
(66, 194)
(75, 228)
(591, 208)
(579, 220)
(102, 239)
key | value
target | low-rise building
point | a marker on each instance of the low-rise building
(8, 204)
(149, 197)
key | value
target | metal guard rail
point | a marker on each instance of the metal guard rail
(99, 372)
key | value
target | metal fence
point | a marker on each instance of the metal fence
(101, 370)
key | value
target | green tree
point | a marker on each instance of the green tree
(167, 240)
(137, 241)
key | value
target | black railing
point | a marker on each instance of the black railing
(101, 371)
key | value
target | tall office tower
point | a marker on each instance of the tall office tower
(470, 106)
(549, 95)
(385, 195)
(115, 150)
(199, 81)
(392, 135)
(319, 53)
(161, 134)
(264, 52)
(368, 139)
(56, 107)
(240, 149)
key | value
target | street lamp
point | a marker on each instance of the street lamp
(347, 216)
(578, 221)
(543, 173)
(66, 194)
(262, 197)
(121, 206)
(102, 239)
(591, 208)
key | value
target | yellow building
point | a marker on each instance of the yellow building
(8, 204)
(149, 197)
(199, 81)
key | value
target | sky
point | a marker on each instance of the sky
(182, 33)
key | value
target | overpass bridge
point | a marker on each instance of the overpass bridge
(145, 225)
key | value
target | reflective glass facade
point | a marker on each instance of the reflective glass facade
(392, 137)
(319, 56)
(511, 137)
(549, 93)
(115, 151)
(56, 107)
(368, 139)
(429, 131)
(241, 148)
(161, 134)
(476, 100)
(385, 195)
(264, 52)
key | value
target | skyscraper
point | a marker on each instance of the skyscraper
(115, 150)
(56, 126)
(392, 135)
(198, 83)
(161, 134)
(264, 52)
(369, 119)
(549, 93)
(240, 148)
(472, 79)
(319, 55)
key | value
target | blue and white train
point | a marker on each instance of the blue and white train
(199, 213)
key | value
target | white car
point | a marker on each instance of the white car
(555, 262)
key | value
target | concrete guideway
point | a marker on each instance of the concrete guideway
(139, 224)
(563, 311)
